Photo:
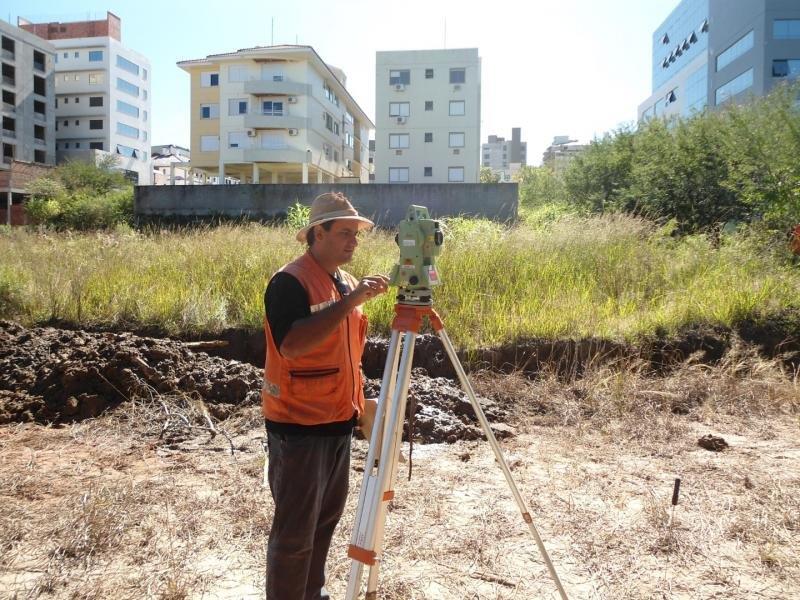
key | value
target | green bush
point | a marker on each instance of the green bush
(81, 196)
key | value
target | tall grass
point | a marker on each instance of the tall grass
(610, 276)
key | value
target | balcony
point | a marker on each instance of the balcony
(39, 66)
(7, 54)
(39, 142)
(286, 154)
(37, 116)
(266, 87)
(262, 121)
(9, 80)
(9, 133)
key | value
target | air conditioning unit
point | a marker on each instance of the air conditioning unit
(293, 131)
(398, 152)
(251, 133)
(456, 151)
(456, 87)
(292, 99)
(399, 87)
(401, 120)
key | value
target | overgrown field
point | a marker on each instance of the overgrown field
(609, 276)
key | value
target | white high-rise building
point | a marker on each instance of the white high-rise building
(428, 116)
(102, 95)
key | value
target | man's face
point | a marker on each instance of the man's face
(338, 244)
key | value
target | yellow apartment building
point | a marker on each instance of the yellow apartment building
(275, 114)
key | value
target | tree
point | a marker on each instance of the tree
(489, 176)
(539, 186)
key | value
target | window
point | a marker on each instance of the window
(95, 78)
(95, 123)
(9, 74)
(39, 107)
(428, 171)
(66, 54)
(428, 104)
(737, 49)
(237, 106)
(734, 86)
(77, 54)
(336, 128)
(328, 121)
(398, 140)
(238, 139)
(127, 130)
(77, 144)
(428, 73)
(38, 60)
(8, 45)
(456, 140)
(77, 99)
(328, 93)
(209, 79)
(126, 151)
(95, 145)
(348, 118)
(39, 156)
(237, 73)
(126, 65)
(786, 29)
(127, 109)
(209, 143)
(455, 174)
(696, 91)
(398, 174)
(457, 108)
(95, 55)
(786, 68)
(66, 145)
(272, 108)
(458, 75)
(144, 94)
(144, 136)
(144, 116)
(39, 86)
(399, 109)
(399, 76)
(428, 136)
(95, 101)
(127, 87)
(209, 111)
(11, 98)
(65, 123)
(38, 132)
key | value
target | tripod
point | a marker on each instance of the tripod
(380, 468)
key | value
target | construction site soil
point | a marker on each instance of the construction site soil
(58, 376)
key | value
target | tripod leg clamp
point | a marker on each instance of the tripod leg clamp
(362, 555)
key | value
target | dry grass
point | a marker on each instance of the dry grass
(107, 509)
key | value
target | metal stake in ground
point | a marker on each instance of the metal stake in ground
(382, 458)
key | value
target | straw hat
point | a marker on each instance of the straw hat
(330, 206)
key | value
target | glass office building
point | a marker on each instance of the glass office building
(710, 52)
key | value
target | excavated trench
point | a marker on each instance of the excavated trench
(58, 375)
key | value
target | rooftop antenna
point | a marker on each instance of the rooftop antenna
(445, 33)
(272, 35)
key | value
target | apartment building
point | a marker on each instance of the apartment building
(561, 153)
(428, 114)
(275, 114)
(505, 157)
(102, 95)
(710, 52)
(28, 97)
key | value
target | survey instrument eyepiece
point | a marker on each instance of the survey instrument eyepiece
(419, 239)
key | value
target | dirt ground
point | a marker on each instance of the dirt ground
(159, 497)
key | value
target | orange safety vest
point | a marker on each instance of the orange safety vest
(324, 385)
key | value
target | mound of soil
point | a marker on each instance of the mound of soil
(50, 375)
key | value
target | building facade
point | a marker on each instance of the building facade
(561, 153)
(505, 157)
(428, 116)
(102, 95)
(709, 52)
(28, 97)
(276, 114)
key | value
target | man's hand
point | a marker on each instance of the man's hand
(369, 287)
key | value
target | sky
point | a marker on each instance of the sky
(552, 67)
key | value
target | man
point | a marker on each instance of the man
(312, 396)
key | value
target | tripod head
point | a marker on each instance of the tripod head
(419, 239)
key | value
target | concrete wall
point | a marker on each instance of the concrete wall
(386, 204)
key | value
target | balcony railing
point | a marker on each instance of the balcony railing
(39, 142)
(8, 54)
(40, 117)
(265, 87)
(9, 80)
(9, 107)
(39, 66)
(273, 121)
(9, 133)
